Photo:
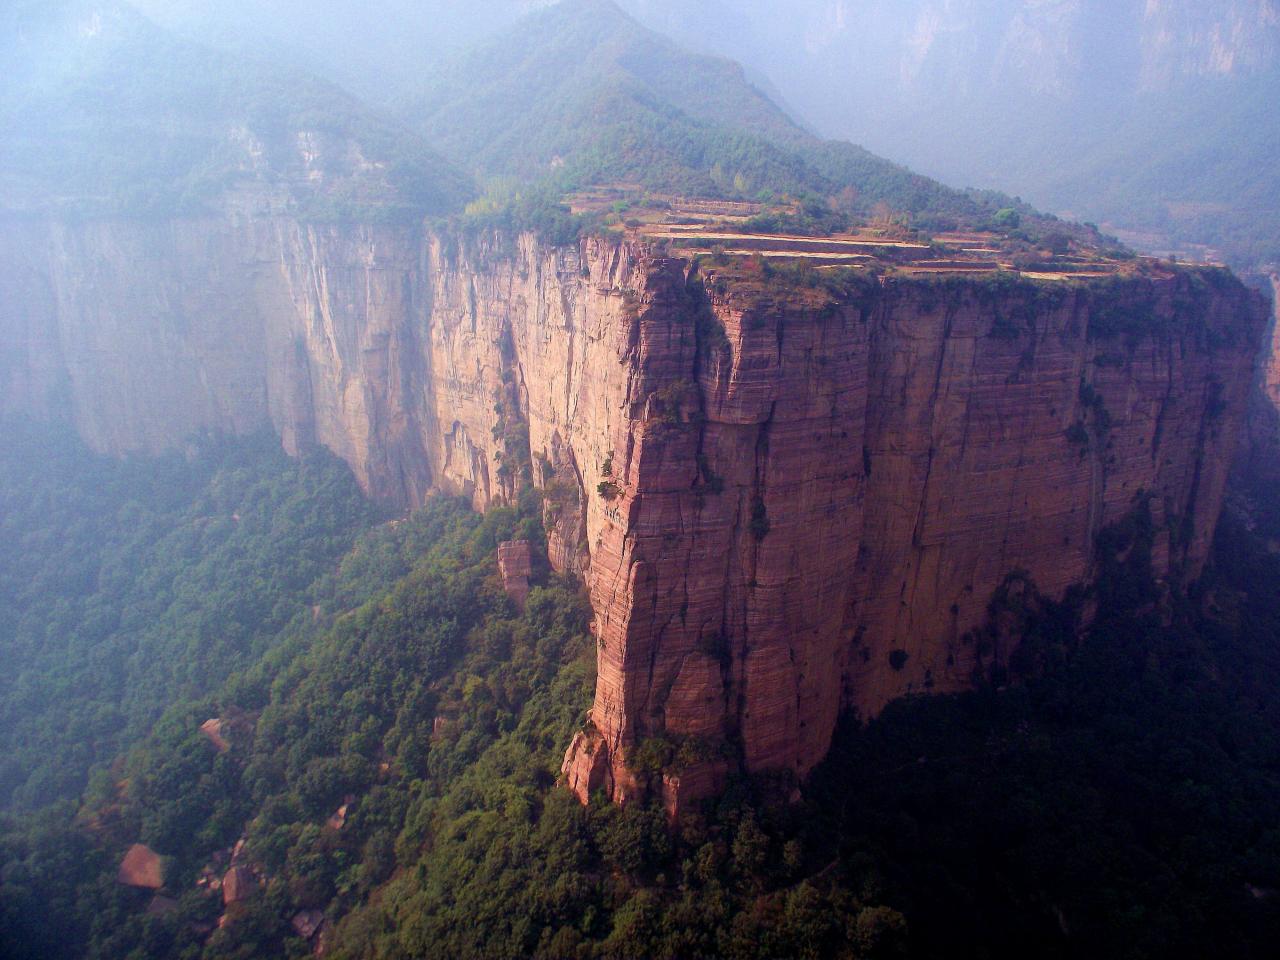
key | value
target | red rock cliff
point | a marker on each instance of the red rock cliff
(818, 495)
(785, 500)
(1259, 456)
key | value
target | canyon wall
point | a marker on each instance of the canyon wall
(1258, 455)
(787, 496)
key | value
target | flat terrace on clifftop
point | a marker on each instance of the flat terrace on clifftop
(692, 227)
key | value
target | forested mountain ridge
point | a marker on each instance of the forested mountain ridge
(1154, 117)
(574, 95)
(1093, 110)
(580, 94)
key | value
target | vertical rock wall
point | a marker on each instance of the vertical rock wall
(786, 498)
(822, 496)
(1259, 457)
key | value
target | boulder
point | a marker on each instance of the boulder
(307, 923)
(238, 885)
(215, 731)
(141, 867)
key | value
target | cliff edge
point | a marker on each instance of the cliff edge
(790, 493)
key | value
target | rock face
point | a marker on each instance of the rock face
(215, 731)
(786, 498)
(1259, 457)
(1271, 370)
(141, 867)
(515, 564)
(307, 923)
(818, 516)
(238, 885)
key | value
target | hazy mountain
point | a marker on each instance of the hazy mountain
(115, 112)
(106, 110)
(1110, 110)
(1156, 115)
(582, 93)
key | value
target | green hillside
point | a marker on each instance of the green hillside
(579, 93)
(1159, 118)
(127, 586)
(1122, 801)
(1195, 165)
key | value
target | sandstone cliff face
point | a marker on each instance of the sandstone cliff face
(883, 462)
(143, 333)
(785, 500)
(1258, 457)
(1271, 369)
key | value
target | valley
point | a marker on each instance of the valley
(567, 508)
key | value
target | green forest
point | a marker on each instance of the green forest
(129, 585)
(1116, 796)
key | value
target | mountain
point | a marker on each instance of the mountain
(879, 582)
(1153, 116)
(580, 93)
(964, 48)
(106, 111)
(1101, 111)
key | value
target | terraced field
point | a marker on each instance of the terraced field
(694, 226)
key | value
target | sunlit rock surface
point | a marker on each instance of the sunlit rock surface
(785, 501)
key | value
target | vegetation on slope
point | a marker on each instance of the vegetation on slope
(1194, 164)
(126, 586)
(581, 94)
(1119, 800)
(1155, 117)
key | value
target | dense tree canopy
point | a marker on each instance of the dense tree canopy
(1114, 796)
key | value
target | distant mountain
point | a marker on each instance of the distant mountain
(581, 93)
(1153, 114)
(111, 112)
(104, 111)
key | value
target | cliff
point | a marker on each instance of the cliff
(787, 496)
(1259, 456)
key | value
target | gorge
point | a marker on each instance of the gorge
(492, 481)
(787, 496)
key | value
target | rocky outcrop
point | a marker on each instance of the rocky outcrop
(818, 516)
(1271, 367)
(788, 497)
(515, 565)
(141, 867)
(216, 732)
(307, 923)
(238, 885)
